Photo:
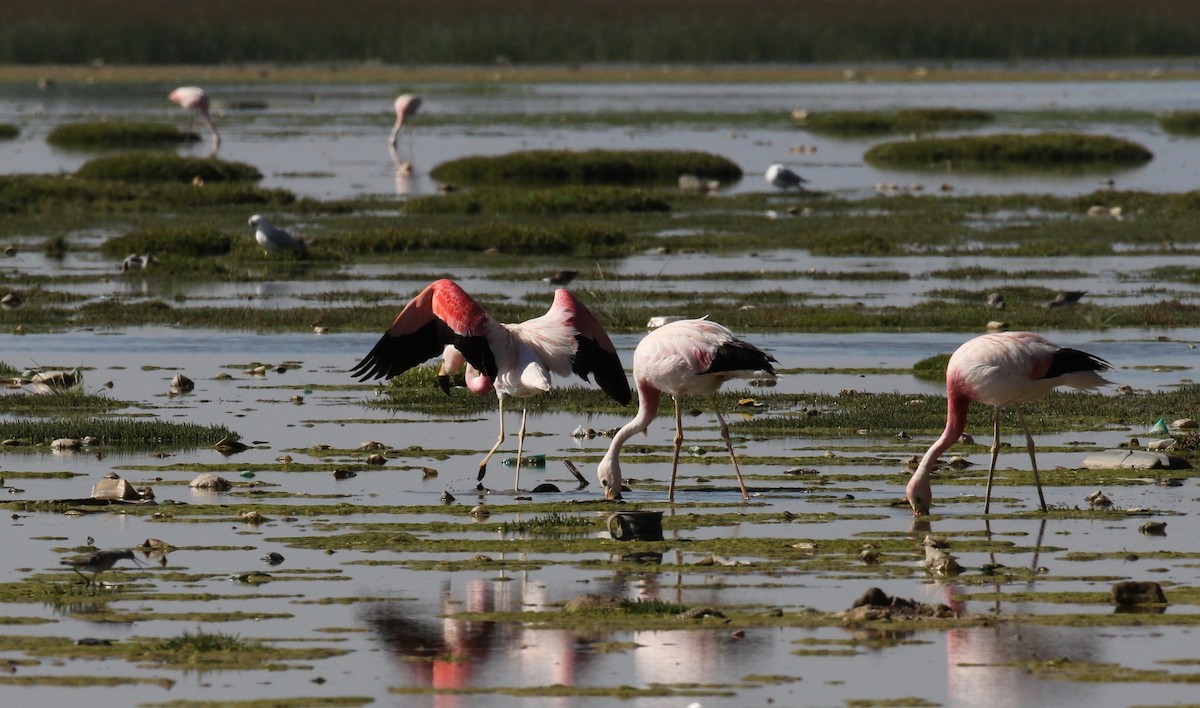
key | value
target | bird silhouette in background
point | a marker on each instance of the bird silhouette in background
(272, 238)
(1067, 298)
(1002, 369)
(684, 358)
(195, 101)
(562, 277)
(514, 360)
(779, 176)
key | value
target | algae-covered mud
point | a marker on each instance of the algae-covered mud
(302, 538)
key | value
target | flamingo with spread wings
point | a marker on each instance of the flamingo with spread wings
(515, 360)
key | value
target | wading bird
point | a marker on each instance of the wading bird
(97, 562)
(406, 107)
(683, 358)
(516, 360)
(782, 177)
(273, 238)
(196, 102)
(1001, 370)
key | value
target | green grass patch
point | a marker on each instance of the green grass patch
(613, 167)
(62, 197)
(165, 167)
(915, 120)
(1045, 150)
(550, 238)
(562, 200)
(117, 133)
(112, 430)
(187, 240)
(1182, 123)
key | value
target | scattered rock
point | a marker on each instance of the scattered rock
(212, 482)
(114, 488)
(875, 604)
(1134, 592)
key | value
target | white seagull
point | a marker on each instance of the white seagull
(273, 238)
(782, 177)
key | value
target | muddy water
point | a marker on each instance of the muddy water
(388, 609)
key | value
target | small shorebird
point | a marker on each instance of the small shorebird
(97, 562)
(782, 177)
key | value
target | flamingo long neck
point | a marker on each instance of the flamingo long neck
(957, 403)
(648, 398)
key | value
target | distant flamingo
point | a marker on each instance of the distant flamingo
(1002, 369)
(682, 358)
(194, 99)
(514, 359)
(406, 106)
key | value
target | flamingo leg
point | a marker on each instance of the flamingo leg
(520, 449)
(678, 444)
(1032, 460)
(729, 447)
(987, 500)
(499, 441)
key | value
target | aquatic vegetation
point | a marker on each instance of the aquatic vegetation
(567, 238)
(107, 431)
(8, 131)
(559, 200)
(1182, 123)
(612, 167)
(58, 196)
(915, 120)
(166, 167)
(178, 240)
(114, 133)
(990, 152)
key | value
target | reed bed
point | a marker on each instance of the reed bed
(588, 31)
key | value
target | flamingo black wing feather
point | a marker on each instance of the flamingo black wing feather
(591, 358)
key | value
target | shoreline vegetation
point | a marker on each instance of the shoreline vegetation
(99, 71)
(530, 32)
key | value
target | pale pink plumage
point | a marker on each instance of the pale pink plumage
(406, 107)
(1000, 370)
(683, 358)
(516, 360)
(195, 100)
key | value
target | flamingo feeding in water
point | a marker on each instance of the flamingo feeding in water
(682, 358)
(195, 100)
(1000, 370)
(516, 360)
(406, 107)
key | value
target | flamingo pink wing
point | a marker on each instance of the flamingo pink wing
(595, 353)
(441, 314)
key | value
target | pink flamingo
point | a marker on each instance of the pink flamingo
(1000, 370)
(685, 357)
(194, 99)
(514, 359)
(406, 106)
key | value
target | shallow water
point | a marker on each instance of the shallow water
(328, 142)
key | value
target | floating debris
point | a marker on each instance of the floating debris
(373, 445)
(527, 461)
(1098, 500)
(876, 605)
(376, 459)
(480, 512)
(344, 474)
(273, 558)
(583, 481)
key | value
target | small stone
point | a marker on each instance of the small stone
(1133, 592)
